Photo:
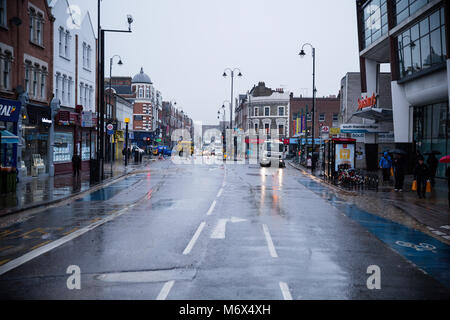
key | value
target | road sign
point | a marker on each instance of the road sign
(110, 128)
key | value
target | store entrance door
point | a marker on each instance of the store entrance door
(372, 156)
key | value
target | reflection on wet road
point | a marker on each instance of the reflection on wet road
(218, 232)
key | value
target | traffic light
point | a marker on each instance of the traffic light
(148, 141)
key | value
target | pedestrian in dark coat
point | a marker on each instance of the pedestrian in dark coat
(421, 175)
(76, 164)
(399, 172)
(433, 163)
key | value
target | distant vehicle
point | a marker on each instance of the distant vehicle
(183, 146)
(272, 154)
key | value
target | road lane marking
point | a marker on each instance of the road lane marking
(219, 193)
(219, 230)
(269, 241)
(4, 261)
(40, 245)
(211, 209)
(194, 238)
(285, 291)
(59, 242)
(439, 233)
(165, 290)
(445, 227)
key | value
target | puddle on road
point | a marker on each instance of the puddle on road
(427, 253)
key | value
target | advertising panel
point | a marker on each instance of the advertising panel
(345, 154)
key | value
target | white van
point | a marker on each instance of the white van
(272, 154)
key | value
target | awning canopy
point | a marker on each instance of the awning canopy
(377, 114)
(9, 138)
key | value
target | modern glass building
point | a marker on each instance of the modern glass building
(412, 37)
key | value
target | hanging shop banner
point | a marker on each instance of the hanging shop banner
(9, 110)
(345, 153)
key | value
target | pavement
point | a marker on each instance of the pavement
(430, 215)
(217, 231)
(35, 192)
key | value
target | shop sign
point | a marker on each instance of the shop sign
(386, 137)
(86, 119)
(9, 110)
(359, 128)
(367, 102)
(325, 129)
(359, 137)
(335, 131)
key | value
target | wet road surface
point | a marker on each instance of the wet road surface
(218, 232)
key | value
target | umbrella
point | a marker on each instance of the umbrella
(433, 152)
(445, 159)
(398, 151)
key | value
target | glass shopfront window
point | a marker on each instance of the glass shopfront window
(423, 45)
(375, 21)
(406, 8)
(85, 149)
(63, 149)
(431, 131)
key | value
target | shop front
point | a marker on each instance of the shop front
(431, 131)
(9, 116)
(36, 123)
(74, 134)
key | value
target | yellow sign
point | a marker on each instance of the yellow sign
(334, 131)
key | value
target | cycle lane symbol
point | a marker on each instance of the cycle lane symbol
(419, 247)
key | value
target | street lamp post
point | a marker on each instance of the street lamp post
(232, 71)
(127, 120)
(302, 54)
(101, 85)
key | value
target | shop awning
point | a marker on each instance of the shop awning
(377, 114)
(9, 138)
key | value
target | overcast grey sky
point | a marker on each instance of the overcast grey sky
(185, 45)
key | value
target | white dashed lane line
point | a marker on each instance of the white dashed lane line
(194, 238)
(285, 291)
(165, 290)
(273, 252)
(211, 208)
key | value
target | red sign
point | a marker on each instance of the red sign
(367, 102)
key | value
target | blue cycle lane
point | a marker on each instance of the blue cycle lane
(53, 223)
(425, 252)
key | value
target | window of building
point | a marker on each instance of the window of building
(35, 82)
(141, 93)
(281, 111)
(335, 117)
(267, 128)
(3, 13)
(375, 21)
(138, 118)
(36, 20)
(295, 116)
(81, 92)
(84, 55)
(63, 88)
(88, 57)
(309, 116)
(61, 36)
(67, 45)
(5, 64)
(43, 83)
(86, 95)
(281, 129)
(322, 117)
(256, 127)
(405, 8)
(148, 93)
(63, 147)
(91, 97)
(266, 111)
(69, 91)
(423, 45)
(58, 75)
(255, 110)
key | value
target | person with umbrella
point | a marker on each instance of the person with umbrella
(446, 159)
(386, 165)
(433, 163)
(421, 174)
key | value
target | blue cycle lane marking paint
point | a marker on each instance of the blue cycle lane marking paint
(427, 253)
(107, 193)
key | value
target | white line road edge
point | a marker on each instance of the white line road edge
(211, 209)
(165, 290)
(54, 244)
(219, 193)
(285, 291)
(194, 238)
(270, 245)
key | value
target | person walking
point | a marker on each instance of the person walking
(421, 175)
(433, 163)
(386, 165)
(76, 164)
(399, 172)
